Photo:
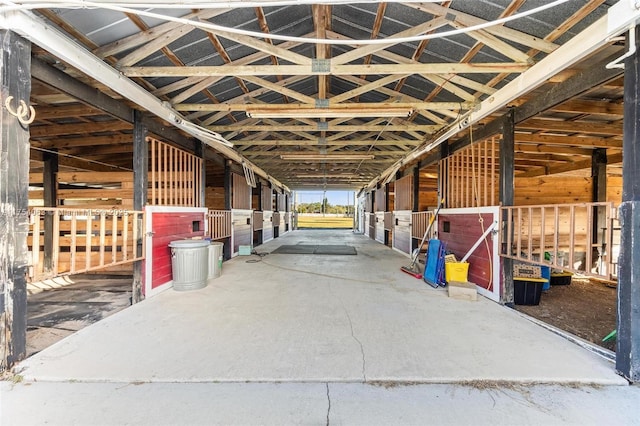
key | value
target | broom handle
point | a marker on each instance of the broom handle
(424, 237)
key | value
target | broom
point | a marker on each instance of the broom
(412, 269)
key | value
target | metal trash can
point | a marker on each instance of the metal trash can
(215, 259)
(189, 264)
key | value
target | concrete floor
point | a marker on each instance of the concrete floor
(57, 312)
(310, 339)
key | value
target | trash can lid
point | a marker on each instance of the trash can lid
(189, 243)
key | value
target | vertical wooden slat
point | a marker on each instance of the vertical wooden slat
(87, 248)
(35, 246)
(572, 223)
(125, 236)
(103, 227)
(136, 217)
(510, 232)
(152, 144)
(542, 232)
(170, 182)
(72, 250)
(114, 237)
(589, 241)
(56, 241)
(530, 234)
(519, 238)
(493, 172)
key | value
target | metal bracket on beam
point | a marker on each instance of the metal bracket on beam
(320, 65)
(322, 103)
(322, 141)
(323, 125)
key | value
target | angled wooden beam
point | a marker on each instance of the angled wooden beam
(265, 47)
(279, 88)
(333, 69)
(366, 88)
(253, 94)
(499, 31)
(363, 51)
(496, 44)
(141, 38)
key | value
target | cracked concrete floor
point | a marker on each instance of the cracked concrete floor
(328, 320)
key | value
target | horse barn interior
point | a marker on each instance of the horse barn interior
(510, 125)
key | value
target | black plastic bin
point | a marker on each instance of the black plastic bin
(527, 291)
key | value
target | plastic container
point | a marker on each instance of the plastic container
(527, 291)
(456, 271)
(189, 264)
(545, 272)
(561, 278)
(215, 259)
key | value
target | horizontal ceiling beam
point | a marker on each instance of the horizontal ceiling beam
(308, 70)
(289, 142)
(229, 107)
(329, 127)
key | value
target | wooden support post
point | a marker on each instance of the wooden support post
(140, 185)
(599, 191)
(443, 174)
(507, 177)
(15, 80)
(628, 332)
(416, 190)
(50, 190)
(228, 192)
(259, 207)
(200, 152)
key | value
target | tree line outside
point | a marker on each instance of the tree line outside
(324, 207)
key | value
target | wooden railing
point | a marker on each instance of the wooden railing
(420, 222)
(563, 236)
(83, 240)
(175, 176)
(219, 224)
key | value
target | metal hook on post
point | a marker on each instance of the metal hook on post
(619, 63)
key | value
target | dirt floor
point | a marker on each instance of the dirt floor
(586, 308)
(56, 313)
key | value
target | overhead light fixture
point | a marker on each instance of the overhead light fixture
(327, 157)
(330, 176)
(328, 112)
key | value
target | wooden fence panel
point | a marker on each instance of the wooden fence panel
(84, 240)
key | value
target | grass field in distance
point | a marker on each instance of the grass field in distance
(324, 222)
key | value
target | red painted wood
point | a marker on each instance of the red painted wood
(167, 227)
(465, 229)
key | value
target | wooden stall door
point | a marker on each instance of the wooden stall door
(242, 228)
(402, 231)
(267, 226)
(380, 227)
(402, 214)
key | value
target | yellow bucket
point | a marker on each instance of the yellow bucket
(456, 271)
